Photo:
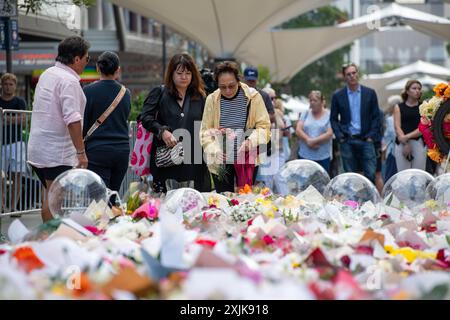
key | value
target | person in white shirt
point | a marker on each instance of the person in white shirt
(56, 140)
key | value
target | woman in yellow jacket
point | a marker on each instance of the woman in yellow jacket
(235, 122)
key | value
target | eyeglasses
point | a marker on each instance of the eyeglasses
(88, 58)
(230, 87)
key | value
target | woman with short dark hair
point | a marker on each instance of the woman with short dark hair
(108, 148)
(230, 111)
(169, 110)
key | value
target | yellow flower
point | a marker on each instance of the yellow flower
(432, 204)
(213, 201)
(409, 254)
(270, 214)
(265, 191)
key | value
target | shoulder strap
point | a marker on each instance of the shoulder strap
(107, 112)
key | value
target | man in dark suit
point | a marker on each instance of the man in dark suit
(355, 119)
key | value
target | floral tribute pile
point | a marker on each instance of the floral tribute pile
(248, 245)
(427, 111)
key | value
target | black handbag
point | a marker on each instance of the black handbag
(168, 157)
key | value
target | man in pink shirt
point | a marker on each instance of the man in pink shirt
(56, 141)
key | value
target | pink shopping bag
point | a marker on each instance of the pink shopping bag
(140, 157)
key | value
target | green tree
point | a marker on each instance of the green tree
(136, 105)
(35, 6)
(263, 76)
(324, 74)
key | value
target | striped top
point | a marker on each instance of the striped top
(233, 115)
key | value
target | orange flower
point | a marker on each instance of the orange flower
(440, 89)
(447, 93)
(27, 259)
(435, 155)
(246, 190)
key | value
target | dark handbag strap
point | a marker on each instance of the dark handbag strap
(107, 112)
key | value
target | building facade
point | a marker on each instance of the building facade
(138, 40)
(380, 51)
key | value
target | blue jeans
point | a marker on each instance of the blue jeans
(359, 155)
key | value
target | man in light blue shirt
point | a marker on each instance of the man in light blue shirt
(354, 100)
(355, 119)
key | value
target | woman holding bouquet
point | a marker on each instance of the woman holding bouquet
(170, 111)
(229, 112)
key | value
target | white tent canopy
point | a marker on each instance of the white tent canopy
(379, 81)
(285, 52)
(295, 105)
(221, 26)
(395, 14)
(426, 81)
(392, 82)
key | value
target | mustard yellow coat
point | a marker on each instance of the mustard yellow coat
(258, 119)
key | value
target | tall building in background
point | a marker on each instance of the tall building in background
(381, 51)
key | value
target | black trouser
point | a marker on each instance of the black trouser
(226, 184)
(111, 166)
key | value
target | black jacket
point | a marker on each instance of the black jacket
(161, 110)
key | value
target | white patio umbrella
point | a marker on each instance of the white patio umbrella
(222, 26)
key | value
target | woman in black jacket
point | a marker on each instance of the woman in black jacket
(108, 148)
(167, 109)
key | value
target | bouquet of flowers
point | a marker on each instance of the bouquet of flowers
(435, 123)
(245, 211)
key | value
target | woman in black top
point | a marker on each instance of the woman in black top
(164, 114)
(108, 148)
(410, 151)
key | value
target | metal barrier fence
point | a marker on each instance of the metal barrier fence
(20, 190)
